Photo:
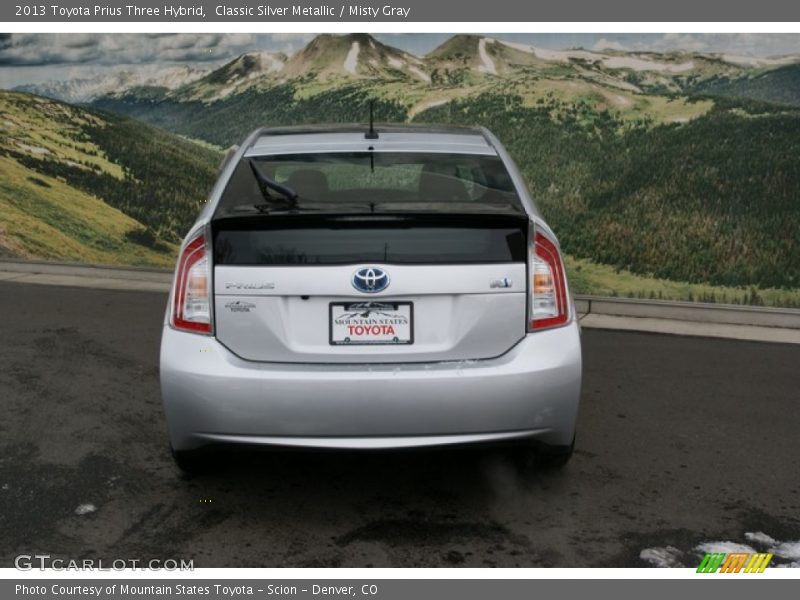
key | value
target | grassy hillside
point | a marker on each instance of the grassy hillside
(43, 217)
(713, 201)
(81, 185)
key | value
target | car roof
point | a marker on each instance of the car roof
(351, 138)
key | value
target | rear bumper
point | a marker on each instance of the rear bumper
(210, 395)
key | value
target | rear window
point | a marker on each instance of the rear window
(285, 240)
(358, 182)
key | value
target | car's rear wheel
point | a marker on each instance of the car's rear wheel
(545, 456)
(194, 462)
(554, 457)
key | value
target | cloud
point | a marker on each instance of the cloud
(604, 44)
(40, 49)
(98, 51)
(302, 38)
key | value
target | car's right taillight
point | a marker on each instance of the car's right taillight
(191, 296)
(548, 305)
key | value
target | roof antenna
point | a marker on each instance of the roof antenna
(371, 134)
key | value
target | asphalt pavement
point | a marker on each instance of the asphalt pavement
(681, 441)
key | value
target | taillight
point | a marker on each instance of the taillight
(547, 289)
(191, 298)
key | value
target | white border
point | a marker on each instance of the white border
(397, 27)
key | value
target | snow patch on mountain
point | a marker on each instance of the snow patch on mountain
(487, 64)
(607, 60)
(351, 60)
(395, 63)
(754, 61)
(555, 55)
(420, 73)
(256, 64)
(425, 105)
(640, 64)
(521, 47)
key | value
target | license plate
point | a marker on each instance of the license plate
(354, 323)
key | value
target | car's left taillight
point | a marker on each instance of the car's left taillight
(191, 296)
(548, 303)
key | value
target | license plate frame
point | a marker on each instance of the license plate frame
(404, 310)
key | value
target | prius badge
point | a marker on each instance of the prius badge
(237, 285)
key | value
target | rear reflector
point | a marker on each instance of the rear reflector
(547, 302)
(191, 298)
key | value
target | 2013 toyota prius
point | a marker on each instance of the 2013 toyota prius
(353, 288)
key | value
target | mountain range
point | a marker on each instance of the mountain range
(461, 60)
(85, 89)
(665, 174)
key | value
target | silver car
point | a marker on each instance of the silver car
(348, 288)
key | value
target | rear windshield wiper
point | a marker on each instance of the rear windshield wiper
(273, 207)
(265, 184)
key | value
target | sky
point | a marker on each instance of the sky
(38, 57)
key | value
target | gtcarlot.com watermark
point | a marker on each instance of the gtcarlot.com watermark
(42, 562)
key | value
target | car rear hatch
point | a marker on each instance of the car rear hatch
(370, 288)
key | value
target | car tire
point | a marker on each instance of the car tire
(544, 456)
(554, 457)
(193, 462)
